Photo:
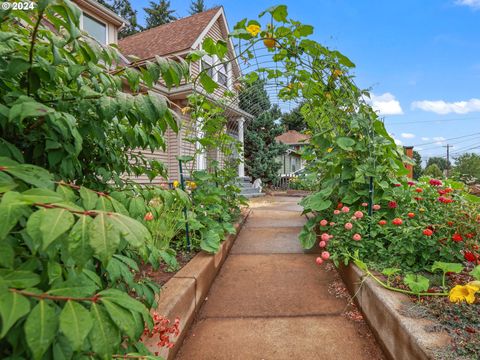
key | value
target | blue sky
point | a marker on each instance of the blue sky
(421, 59)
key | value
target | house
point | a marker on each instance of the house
(176, 40)
(99, 22)
(292, 160)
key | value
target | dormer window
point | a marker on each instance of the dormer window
(95, 28)
(221, 73)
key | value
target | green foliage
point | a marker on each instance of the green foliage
(417, 283)
(294, 119)
(476, 273)
(434, 171)
(261, 149)
(159, 13)
(417, 167)
(467, 167)
(67, 104)
(441, 162)
(197, 6)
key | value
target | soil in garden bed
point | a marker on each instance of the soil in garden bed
(163, 274)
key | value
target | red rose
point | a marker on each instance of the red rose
(148, 216)
(470, 235)
(397, 221)
(457, 237)
(339, 205)
(469, 256)
(450, 223)
(410, 183)
(397, 185)
(392, 204)
(418, 190)
(411, 215)
(435, 182)
(418, 198)
(427, 232)
(382, 222)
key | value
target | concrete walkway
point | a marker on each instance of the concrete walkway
(271, 301)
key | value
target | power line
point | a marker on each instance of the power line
(458, 137)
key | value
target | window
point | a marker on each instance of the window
(207, 63)
(95, 28)
(222, 75)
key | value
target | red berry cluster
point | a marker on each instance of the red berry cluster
(162, 329)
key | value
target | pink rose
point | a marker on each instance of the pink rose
(376, 207)
(348, 226)
(357, 237)
(325, 237)
(325, 255)
(358, 214)
(345, 209)
(364, 204)
(330, 236)
(332, 223)
(322, 244)
(336, 212)
(323, 223)
(319, 261)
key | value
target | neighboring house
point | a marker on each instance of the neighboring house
(177, 39)
(292, 161)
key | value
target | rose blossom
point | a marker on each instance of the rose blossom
(325, 255)
(345, 209)
(364, 204)
(358, 214)
(427, 232)
(457, 237)
(332, 223)
(336, 212)
(323, 223)
(376, 207)
(397, 221)
(382, 222)
(392, 204)
(319, 261)
(357, 237)
(348, 226)
(325, 237)
(322, 244)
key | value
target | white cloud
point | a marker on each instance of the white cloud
(385, 104)
(419, 148)
(439, 138)
(443, 107)
(475, 4)
(425, 138)
(407, 135)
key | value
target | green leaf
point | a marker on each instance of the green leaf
(54, 271)
(41, 328)
(126, 301)
(476, 273)
(41, 195)
(11, 210)
(32, 175)
(133, 231)
(122, 317)
(6, 183)
(279, 12)
(345, 143)
(104, 237)
(7, 256)
(307, 238)
(55, 222)
(13, 306)
(28, 108)
(447, 267)
(390, 271)
(79, 244)
(19, 279)
(73, 288)
(207, 83)
(89, 198)
(417, 283)
(104, 335)
(210, 242)
(75, 323)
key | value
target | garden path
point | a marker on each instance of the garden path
(271, 301)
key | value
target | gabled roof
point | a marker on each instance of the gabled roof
(292, 137)
(174, 37)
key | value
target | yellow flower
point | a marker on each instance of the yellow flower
(329, 150)
(176, 184)
(328, 95)
(185, 110)
(460, 293)
(337, 72)
(253, 29)
(192, 185)
(422, 210)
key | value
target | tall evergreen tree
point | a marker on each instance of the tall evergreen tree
(124, 9)
(197, 6)
(417, 167)
(159, 13)
(294, 119)
(261, 149)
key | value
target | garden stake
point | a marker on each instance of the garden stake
(182, 184)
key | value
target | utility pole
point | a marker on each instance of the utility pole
(448, 146)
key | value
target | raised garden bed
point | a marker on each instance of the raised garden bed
(401, 336)
(183, 295)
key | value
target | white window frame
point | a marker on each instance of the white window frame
(97, 20)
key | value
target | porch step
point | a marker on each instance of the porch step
(247, 189)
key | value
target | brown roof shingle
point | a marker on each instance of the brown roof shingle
(169, 38)
(292, 137)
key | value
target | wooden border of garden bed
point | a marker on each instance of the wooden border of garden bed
(401, 337)
(183, 295)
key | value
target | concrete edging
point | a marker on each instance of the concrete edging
(401, 337)
(183, 295)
